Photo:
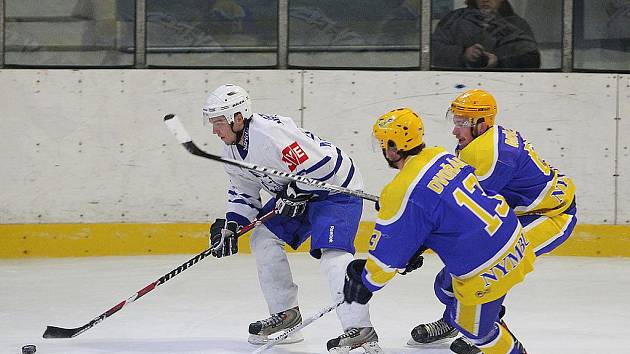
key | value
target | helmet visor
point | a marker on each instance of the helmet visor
(375, 144)
(457, 120)
(207, 118)
(215, 120)
(462, 121)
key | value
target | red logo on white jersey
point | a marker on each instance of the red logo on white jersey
(293, 155)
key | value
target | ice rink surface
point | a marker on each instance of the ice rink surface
(567, 305)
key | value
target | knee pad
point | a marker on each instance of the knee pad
(334, 261)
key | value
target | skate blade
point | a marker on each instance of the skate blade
(372, 348)
(368, 348)
(261, 340)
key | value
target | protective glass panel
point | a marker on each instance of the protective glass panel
(496, 34)
(220, 33)
(354, 33)
(68, 32)
(601, 30)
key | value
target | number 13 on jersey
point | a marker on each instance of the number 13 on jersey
(492, 218)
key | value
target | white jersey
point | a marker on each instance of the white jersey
(277, 142)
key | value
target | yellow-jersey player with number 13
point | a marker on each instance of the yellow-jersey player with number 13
(435, 202)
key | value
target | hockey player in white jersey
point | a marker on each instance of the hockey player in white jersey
(330, 219)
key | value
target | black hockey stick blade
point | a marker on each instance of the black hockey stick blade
(177, 129)
(58, 332)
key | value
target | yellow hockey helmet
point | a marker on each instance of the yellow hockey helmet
(474, 105)
(402, 126)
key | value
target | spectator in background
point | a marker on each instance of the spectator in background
(485, 34)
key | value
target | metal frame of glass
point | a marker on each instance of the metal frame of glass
(282, 50)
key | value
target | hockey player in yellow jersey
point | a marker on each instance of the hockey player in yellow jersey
(435, 202)
(505, 163)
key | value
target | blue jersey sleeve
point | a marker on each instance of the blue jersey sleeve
(500, 177)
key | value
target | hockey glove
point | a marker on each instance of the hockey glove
(353, 289)
(415, 262)
(291, 203)
(223, 238)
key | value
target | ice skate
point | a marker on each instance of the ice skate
(518, 345)
(260, 332)
(434, 332)
(462, 345)
(354, 338)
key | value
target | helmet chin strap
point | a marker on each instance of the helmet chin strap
(475, 129)
(239, 134)
(474, 132)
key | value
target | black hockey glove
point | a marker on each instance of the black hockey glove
(291, 203)
(353, 289)
(416, 261)
(223, 238)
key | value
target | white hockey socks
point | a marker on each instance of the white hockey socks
(274, 273)
(333, 264)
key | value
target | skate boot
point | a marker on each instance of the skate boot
(462, 345)
(434, 332)
(260, 332)
(353, 338)
(518, 345)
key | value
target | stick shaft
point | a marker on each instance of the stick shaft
(296, 328)
(58, 332)
(177, 129)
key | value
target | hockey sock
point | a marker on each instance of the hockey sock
(274, 273)
(333, 264)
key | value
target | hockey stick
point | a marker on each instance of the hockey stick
(58, 332)
(296, 328)
(177, 128)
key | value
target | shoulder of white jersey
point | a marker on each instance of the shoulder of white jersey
(396, 194)
(272, 126)
(262, 119)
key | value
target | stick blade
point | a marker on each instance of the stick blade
(177, 128)
(58, 332)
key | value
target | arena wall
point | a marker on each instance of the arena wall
(88, 167)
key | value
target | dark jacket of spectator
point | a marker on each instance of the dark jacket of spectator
(503, 34)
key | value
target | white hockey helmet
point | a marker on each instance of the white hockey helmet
(227, 100)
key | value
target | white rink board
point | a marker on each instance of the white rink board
(90, 146)
(568, 118)
(623, 215)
